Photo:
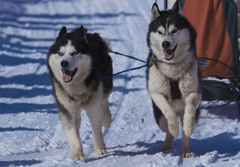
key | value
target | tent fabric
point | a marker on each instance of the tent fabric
(238, 5)
(217, 36)
(172, 2)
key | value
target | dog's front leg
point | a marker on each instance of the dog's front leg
(192, 103)
(168, 112)
(95, 114)
(69, 113)
(71, 123)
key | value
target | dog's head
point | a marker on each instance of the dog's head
(68, 57)
(170, 35)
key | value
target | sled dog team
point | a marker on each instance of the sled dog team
(77, 59)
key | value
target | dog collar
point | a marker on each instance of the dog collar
(154, 60)
(70, 97)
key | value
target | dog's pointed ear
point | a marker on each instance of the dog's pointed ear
(83, 33)
(179, 8)
(62, 32)
(155, 11)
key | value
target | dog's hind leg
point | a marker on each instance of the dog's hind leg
(107, 117)
(163, 124)
(186, 153)
(169, 138)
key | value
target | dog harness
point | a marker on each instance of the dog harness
(174, 84)
(70, 97)
(174, 89)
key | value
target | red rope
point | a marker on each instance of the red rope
(155, 1)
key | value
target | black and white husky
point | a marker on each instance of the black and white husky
(76, 61)
(173, 75)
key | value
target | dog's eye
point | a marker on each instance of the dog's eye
(174, 31)
(74, 53)
(159, 32)
(60, 54)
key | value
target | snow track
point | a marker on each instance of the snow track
(30, 130)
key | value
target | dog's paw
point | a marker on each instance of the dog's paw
(101, 151)
(188, 127)
(188, 155)
(79, 156)
(173, 124)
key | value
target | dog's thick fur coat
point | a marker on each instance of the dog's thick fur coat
(173, 77)
(76, 61)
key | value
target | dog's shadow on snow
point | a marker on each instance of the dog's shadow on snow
(229, 111)
(224, 144)
(20, 163)
(151, 148)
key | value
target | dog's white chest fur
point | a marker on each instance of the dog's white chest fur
(159, 76)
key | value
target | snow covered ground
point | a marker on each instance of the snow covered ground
(30, 130)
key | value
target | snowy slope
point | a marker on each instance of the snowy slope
(30, 131)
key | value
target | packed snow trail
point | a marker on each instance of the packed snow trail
(30, 130)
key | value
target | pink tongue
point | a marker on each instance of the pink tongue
(66, 78)
(168, 55)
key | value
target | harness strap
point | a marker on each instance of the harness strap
(72, 98)
(174, 89)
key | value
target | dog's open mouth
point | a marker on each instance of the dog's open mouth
(169, 53)
(68, 75)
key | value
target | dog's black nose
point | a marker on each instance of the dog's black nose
(64, 64)
(166, 44)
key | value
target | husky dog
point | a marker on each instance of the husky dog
(76, 61)
(173, 75)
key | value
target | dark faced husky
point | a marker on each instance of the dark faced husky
(76, 61)
(173, 75)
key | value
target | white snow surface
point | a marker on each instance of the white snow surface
(30, 130)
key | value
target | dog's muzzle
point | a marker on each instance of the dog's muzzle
(168, 53)
(67, 74)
